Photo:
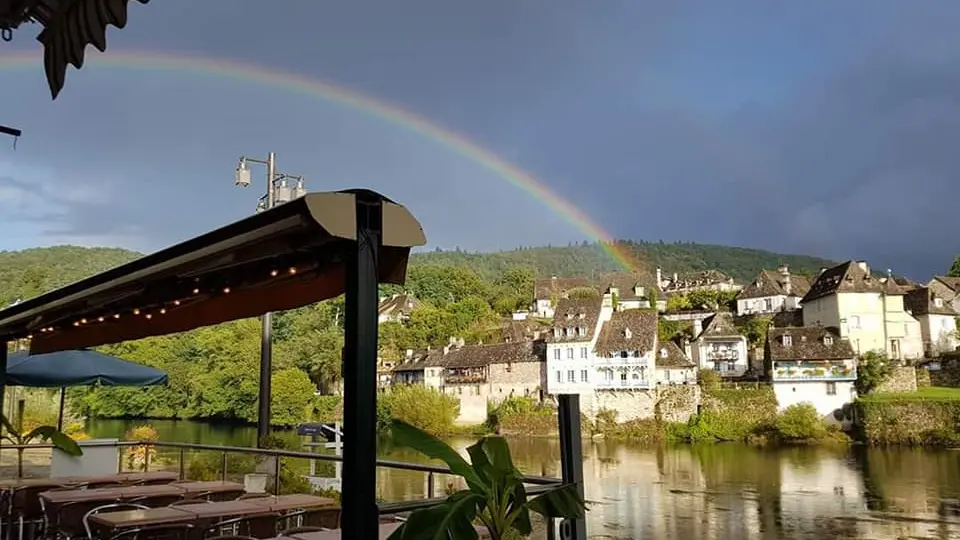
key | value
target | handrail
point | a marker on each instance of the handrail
(389, 464)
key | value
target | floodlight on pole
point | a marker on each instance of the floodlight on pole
(242, 174)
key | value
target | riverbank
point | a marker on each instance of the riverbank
(927, 417)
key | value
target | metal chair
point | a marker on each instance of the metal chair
(248, 496)
(326, 517)
(28, 510)
(188, 502)
(156, 501)
(113, 507)
(300, 530)
(179, 531)
(257, 526)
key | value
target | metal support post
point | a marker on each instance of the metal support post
(571, 460)
(359, 484)
(266, 327)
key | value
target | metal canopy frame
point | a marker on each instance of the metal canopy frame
(308, 250)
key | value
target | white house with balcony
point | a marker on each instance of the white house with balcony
(719, 345)
(772, 292)
(625, 351)
(570, 344)
(868, 311)
(938, 320)
(811, 364)
(673, 365)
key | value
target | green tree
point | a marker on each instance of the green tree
(291, 397)
(954, 268)
(873, 369)
(800, 422)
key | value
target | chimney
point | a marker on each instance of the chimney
(697, 327)
(409, 354)
(638, 291)
(784, 270)
(863, 266)
(676, 278)
(659, 278)
(685, 345)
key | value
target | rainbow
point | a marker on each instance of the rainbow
(377, 108)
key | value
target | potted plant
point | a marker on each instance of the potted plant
(15, 436)
(495, 494)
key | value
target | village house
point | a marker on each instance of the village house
(771, 292)
(625, 351)
(868, 311)
(549, 291)
(813, 365)
(570, 344)
(948, 288)
(938, 320)
(673, 366)
(396, 308)
(632, 291)
(708, 280)
(719, 345)
(479, 375)
(425, 367)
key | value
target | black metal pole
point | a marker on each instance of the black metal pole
(266, 369)
(63, 396)
(571, 460)
(3, 376)
(359, 483)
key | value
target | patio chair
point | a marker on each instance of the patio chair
(156, 501)
(248, 496)
(258, 526)
(112, 507)
(179, 531)
(300, 530)
(188, 502)
(28, 511)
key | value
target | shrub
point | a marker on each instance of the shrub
(328, 408)
(873, 369)
(800, 422)
(423, 407)
(292, 397)
(138, 456)
(709, 379)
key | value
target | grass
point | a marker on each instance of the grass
(930, 393)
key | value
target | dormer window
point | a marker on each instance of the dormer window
(938, 302)
(828, 340)
(581, 330)
(570, 332)
(556, 332)
(663, 352)
(627, 333)
(787, 341)
(581, 315)
(569, 315)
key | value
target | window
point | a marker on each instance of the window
(768, 304)
(556, 332)
(570, 376)
(938, 302)
(787, 341)
(583, 352)
(556, 354)
(623, 376)
(559, 377)
(583, 375)
(582, 330)
(623, 354)
(855, 322)
(831, 388)
(570, 353)
(828, 340)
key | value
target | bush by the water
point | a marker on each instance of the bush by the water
(800, 422)
(928, 417)
(418, 405)
(522, 416)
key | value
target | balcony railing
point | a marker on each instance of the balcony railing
(618, 384)
(619, 361)
(464, 379)
(813, 372)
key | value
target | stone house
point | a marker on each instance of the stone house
(625, 351)
(948, 288)
(421, 367)
(396, 308)
(868, 311)
(482, 374)
(719, 345)
(709, 280)
(548, 292)
(673, 366)
(570, 344)
(938, 320)
(772, 292)
(812, 364)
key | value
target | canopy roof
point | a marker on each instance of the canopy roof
(283, 258)
(78, 368)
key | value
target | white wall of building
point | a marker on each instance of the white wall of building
(767, 304)
(566, 360)
(727, 356)
(826, 396)
(871, 321)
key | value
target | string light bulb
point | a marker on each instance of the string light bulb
(176, 302)
(226, 290)
(149, 316)
(116, 315)
(99, 319)
(163, 311)
(196, 291)
(76, 323)
(274, 273)
(136, 311)
(83, 321)
(30, 336)
(293, 270)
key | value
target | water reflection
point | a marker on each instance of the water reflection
(712, 492)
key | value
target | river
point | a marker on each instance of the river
(721, 492)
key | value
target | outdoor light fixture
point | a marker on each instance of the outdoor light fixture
(242, 174)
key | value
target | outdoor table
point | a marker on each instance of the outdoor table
(297, 501)
(129, 477)
(213, 488)
(386, 529)
(77, 480)
(55, 499)
(140, 518)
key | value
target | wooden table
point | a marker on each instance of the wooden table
(386, 529)
(287, 503)
(125, 478)
(141, 518)
(214, 487)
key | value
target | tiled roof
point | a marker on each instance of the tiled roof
(499, 353)
(398, 304)
(953, 283)
(627, 285)
(573, 313)
(720, 324)
(782, 319)
(529, 329)
(674, 357)
(628, 330)
(421, 359)
(773, 283)
(923, 301)
(556, 287)
(808, 343)
(699, 279)
(849, 277)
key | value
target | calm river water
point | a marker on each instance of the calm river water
(722, 492)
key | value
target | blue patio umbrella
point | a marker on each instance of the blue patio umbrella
(81, 367)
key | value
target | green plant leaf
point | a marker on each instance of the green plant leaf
(420, 525)
(458, 521)
(60, 440)
(563, 502)
(518, 513)
(412, 437)
(9, 426)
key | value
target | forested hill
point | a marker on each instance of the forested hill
(27, 273)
